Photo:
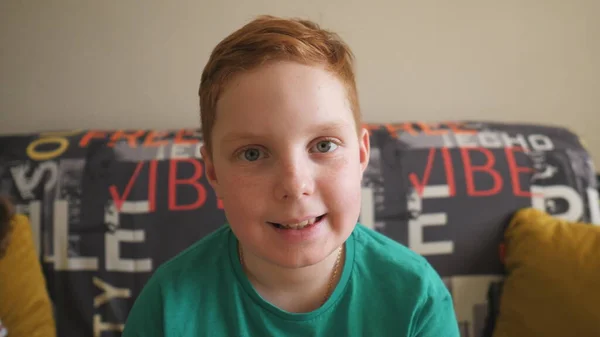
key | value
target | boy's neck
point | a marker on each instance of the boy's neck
(294, 290)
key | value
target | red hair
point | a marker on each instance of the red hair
(266, 39)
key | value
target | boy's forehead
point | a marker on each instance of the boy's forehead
(235, 134)
(282, 83)
(281, 97)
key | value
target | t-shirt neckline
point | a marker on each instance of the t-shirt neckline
(256, 298)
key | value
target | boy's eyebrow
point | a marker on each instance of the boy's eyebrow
(236, 136)
(332, 126)
(246, 135)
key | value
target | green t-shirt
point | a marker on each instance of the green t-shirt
(385, 289)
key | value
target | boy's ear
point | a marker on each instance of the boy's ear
(209, 169)
(364, 148)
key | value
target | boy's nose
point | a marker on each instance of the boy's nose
(294, 182)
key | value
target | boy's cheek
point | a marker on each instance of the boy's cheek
(343, 188)
(344, 168)
(240, 186)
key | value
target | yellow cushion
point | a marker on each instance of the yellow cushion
(552, 287)
(25, 307)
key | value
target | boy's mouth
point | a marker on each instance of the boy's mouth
(299, 225)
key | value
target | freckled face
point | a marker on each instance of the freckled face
(287, 162)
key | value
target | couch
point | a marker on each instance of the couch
(108, 206)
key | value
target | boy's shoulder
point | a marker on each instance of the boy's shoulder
(404, 282)
(380, 248)
(208, 253)
(388, 260)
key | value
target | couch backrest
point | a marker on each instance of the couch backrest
(108, 207)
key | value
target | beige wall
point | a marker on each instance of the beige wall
(136, 64)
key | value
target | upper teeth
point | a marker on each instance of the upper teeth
(300, 224)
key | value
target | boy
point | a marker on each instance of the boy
(285, 151)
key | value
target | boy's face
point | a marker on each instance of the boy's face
(285, 150)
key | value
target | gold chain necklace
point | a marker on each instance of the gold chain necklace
(331, 280)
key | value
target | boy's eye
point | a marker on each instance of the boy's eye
(325, 146)
(251, 154)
